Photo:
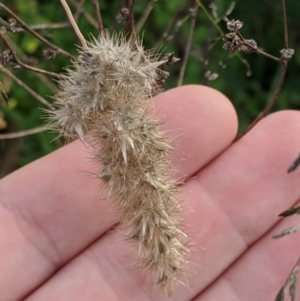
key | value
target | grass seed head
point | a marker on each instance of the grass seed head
(103, 101)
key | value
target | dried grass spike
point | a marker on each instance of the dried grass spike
(104, 101)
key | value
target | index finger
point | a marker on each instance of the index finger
(50, 210)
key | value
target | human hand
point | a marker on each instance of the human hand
(56, 237)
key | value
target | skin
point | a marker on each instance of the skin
(60, 240)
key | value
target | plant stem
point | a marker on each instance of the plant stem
(34, 33)
(145, 15)
(285, 30)
(188, 45)
(98, 16)
(73, 23)
(215, 23)
(27, 89)
(129, 27)
(25, 66)
(23, 133)
(88, 17)
(271, 103)
(281, 79)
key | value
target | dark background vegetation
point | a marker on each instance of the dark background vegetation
(249, 94)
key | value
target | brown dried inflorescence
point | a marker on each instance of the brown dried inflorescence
(105, 101)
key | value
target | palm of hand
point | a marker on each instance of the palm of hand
(56, 238)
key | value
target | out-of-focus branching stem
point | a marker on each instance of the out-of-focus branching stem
(22, 56)
(6, 25)
(98, 16)
(73, 23)
(215, 23)
(270, 104)
(28, 67)
(88, 17)
(34, 33)
(285, 30)
(166, 34)
(281, 79)
(129, 29)
(258, 51)
(79, 10)
(188, 45)
(23, 133)
(145, 15)
(46, 26)
(25, 66)
(27, 89)
(210, 17)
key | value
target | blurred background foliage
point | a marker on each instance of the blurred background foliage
(167, 27)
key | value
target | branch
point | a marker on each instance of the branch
(25, 58)
(286, 54)
(34, 33)
(23, 133)
(145, 15)
(285, 30)
(270, 105)
(188, 45)
(73, 23)
(27, 89)
(79, 10)
(215, 23)
(129, 27)
(168, 30)
(25, 66)
(88, 17)
(46, 26)
(98, 16)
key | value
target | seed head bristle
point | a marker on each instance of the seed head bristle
(103, 101)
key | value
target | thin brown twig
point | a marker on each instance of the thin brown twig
(34, 33)
(7, 26)
(48, 83)
(46, 26)
(269, 56)
(271, 103)
(24, 133)
(88, 17)
(215, 23)
(98, 16)
(27, 89)
(167, 31)
(258, 51)
(129, 27)
(74, 24)
(25, 66)
(188, 45)
(145, 15)
(25, 58)
(280, 82)
(285, 30)
(79, 10)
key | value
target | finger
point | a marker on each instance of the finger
(260, 272)
(205, 123)
(242, 194)
(50, 210)
(235, 201)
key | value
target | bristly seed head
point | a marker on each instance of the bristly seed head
(103, 101)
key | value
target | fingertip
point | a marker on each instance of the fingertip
(204, 119)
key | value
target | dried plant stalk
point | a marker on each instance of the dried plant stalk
(104, 102)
